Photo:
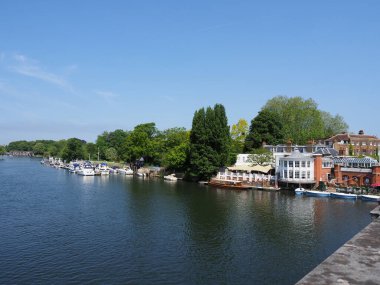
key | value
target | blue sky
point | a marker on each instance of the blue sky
(77, 68)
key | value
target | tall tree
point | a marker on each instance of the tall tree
(209, 142)
(266, 127)
(302, 121)
(222, 135)
(333, 124)
(238, 133)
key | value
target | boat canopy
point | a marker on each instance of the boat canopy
(256, 168)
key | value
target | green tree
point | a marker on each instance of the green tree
(39, 148)
(209, 142)
(92, 150)
(267, 128)
(333, 125)
(111, 154)
(2, 150)
(239, 132)
(74, 149)
(261, 156)
(176, 157)
(20, 146)
(116, 140)
(301, 119)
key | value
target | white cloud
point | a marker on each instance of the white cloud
(32, 68)
(107, 95)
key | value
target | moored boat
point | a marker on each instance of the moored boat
(315, 193)
(370, 198)
(299, 191)
(86, 170)
(125, 171)
(344, 195)
(232, 184)
(171, 177)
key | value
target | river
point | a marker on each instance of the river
(60, 228)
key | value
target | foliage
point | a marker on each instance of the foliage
(175, 158)
(175, 147)
(301, 119)
(92, 150)
(209, 142)
(74, 149)
(2, 150)
(39, 148)
(333, 125)
(266, 128)
(20, 146)
(261, 157)
(111, 154)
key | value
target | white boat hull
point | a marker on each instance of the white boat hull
(344, 195)
(313, 193)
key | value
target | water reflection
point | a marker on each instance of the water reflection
(58, 227)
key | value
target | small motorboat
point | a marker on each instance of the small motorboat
(299, 191)
(315, 193)
(171, 177)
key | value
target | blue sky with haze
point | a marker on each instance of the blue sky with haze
(78, 68)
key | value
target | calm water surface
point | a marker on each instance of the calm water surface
(61, 228)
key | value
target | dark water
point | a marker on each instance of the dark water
(60, 228)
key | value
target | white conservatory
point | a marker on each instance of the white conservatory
(296, 168)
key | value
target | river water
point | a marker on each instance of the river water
(60, 228)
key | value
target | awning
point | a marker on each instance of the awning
(257, 168)
(375, 185)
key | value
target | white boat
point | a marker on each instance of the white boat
(125, 171)
(102, 169)
(73, 167)
(299, 191)
(343, 195)
(171, 177)
(371, 198)
(86, 170)
(314, 193)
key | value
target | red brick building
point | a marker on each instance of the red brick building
(352, 144)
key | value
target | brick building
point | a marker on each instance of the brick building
(354, 144)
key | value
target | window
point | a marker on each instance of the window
(290, 163)
(285, 163)
(308, 164)
(297, 163)
(303, 174)
(290, 174)
(303, 163)
(285, 174)
(297, 174)
(308, 175)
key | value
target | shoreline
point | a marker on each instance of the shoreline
(355, 262)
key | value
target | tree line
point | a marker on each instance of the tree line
(210, 144)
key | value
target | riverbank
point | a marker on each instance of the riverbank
(356, 262)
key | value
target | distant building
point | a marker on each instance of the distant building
(352, 144)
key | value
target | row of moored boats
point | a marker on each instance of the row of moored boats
(86, 168)
(341, 195)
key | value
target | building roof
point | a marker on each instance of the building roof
(352, 160)
(347, 137)
(327, 151)
(297, 154)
